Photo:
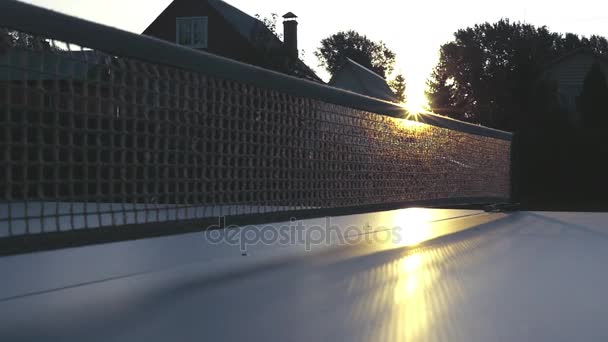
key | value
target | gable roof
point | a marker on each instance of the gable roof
(574, 75)
(259, 36)
(355, 77)
(246, 25)
(574, 53)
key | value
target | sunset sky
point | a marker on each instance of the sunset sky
(413, 29)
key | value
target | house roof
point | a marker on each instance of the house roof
(259, 36)
(550, 67)
(574, 53)
(359, 79)
(249, 27)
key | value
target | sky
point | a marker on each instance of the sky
(414, 30)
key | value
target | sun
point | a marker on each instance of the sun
(417, 102)
(416, 80)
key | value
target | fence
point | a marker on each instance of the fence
(108, 135)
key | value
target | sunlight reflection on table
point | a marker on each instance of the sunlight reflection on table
(414, 226)
(403, 296)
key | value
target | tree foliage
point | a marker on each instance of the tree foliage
(488, 73)
(9, 38)
(592, 102)
(270, 23)
(375, 56)
(398, 87)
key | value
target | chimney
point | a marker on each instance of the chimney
(290, 34)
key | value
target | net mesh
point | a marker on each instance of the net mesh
(90, 139)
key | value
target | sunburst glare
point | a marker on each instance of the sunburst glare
(417, 101)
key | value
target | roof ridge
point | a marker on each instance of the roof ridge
(573, 52)
(362, 80)
(365, 69)
(236, 9)
(217, 4)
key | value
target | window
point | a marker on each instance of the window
(192, 32)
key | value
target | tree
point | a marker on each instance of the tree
(487, 74)
(547, 112)
(9, 38)
(398, 86)
(592, 101)
(350, 44)
(270, 23)
(441, 93)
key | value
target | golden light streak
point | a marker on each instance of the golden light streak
(412, 122)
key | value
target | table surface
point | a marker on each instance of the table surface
(451, 275)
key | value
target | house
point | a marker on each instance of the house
(566, 76)
(354, 77)
(217, 27)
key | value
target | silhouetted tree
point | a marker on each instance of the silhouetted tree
(546, 112)
(441, 93)
(372, 55)
(270, 23)
(398, 86)
(487, 75)
(267, 41)
(9, 38)
(592, 101)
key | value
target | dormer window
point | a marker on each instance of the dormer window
(192, 32)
